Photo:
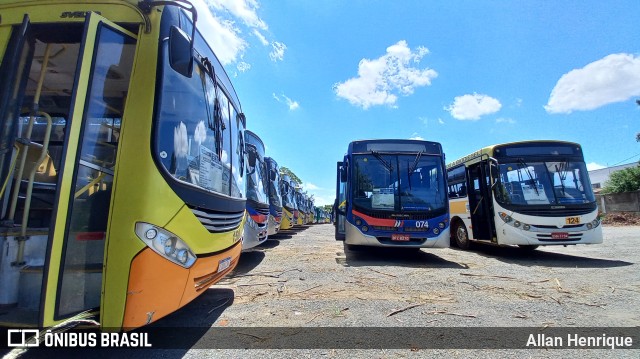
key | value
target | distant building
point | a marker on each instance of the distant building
(599, 177)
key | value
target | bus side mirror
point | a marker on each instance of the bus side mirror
(180, 52)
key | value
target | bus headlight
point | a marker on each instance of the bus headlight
(526, 227)
(516, 224)
(505, 217)
(441, 225)
(166, 244)
(595, 222)
(436, 231)
(365, 228)
(358, 222)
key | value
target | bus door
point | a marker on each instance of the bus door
(480, 201)
(340, 205)
(75, 265)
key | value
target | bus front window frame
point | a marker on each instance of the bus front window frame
(396, 193)
(539, 183)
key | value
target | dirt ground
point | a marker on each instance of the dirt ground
(621, 219)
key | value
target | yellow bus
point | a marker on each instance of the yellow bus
(530, 194)
(289, 205)
(121, 161)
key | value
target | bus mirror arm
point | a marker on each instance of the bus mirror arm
(180, 44)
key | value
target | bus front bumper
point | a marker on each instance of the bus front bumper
(516, 236)
(355, 237)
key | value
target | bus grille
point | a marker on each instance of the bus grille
(404, 216)
(565, 212)
(416, 229)
(383, 228)
(555, 227)
(217, 222)
(263, 211)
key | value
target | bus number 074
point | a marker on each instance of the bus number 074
(422, 224)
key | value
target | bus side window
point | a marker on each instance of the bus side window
(462, 192)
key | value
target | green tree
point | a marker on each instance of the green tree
(286, 171)
(626, 180)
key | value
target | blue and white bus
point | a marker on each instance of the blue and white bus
(255, 230)
(275, 198)
(392, 193)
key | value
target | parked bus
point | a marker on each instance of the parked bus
(392, 193)
(255, 229)
(529, 194)
(120, 161)
(298, 215)
(289, 206)
(275, 197)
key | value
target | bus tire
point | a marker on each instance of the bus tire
(527, 247)
(461, 235)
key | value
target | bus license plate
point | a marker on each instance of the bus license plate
(400, 237)
(560, 235)
(224, 264)
(572, 220)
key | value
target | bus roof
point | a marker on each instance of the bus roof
(253, 136)
(490, 150)
(395, 145)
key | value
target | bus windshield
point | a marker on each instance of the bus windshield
(536, 183)
(256, 176)
(399, 182)
(274, 188)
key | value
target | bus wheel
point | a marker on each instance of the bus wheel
(527, 248)
(461, 236)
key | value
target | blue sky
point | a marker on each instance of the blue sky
(314, 75)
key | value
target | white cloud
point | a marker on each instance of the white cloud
(472, 107)
(505, 120)
(380, 81)
(594, 166)
(308, 186)
(440, 121)
(225, 36)
(293, 105)
(241, 9)
(243, 66)
(277, 51)
(415, 136)
(219, 21)
(263, 40)
(614, 78)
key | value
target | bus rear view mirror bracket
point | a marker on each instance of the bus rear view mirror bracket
(180, 52)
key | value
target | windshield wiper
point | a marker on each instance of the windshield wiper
(531, 180)
(413, 167)
(562, 173)
(386, 164)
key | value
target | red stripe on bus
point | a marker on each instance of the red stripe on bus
(259, 218)
(375, 221)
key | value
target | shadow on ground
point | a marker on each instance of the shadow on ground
(541, 257)
(384, 256)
